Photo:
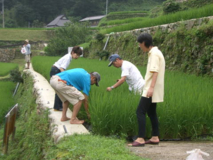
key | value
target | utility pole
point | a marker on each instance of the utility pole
(106, 6)
(2, 13)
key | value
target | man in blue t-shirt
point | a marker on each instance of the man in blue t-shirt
(68, 86)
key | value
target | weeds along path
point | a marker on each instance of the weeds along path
(45, 98)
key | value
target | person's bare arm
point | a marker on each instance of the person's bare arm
(118, 83)
(86, 106)
(151, 89)
(61, 69)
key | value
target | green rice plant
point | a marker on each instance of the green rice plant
(186, 111)
(164, 19)
(6, 68)
(44, 68)
(6, 99)
(123, 12)
(122, 21)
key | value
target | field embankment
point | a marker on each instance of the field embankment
(22, 34)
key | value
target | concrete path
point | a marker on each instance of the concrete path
(173, 150)
(45, 98)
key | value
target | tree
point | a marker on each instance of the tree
(84, 8)
(23, 15)
(170, 6)
(68, 36)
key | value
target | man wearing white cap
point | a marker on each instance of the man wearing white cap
(68, 86)
(130, 74)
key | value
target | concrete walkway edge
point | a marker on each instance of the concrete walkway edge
(45, 95)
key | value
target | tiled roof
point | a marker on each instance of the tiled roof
(58, 21)
(93, 18)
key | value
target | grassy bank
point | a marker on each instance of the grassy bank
(22, 34)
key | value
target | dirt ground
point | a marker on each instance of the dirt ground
(173, 150)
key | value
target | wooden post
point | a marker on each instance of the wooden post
(9, 128)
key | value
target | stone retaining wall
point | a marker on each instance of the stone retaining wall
(6, 55)
(10, 53)
(168, 28)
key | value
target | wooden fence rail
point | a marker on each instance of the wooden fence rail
(9, 127)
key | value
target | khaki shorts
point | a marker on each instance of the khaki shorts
(27, 57)
(65, 92)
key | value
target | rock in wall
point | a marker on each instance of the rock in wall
(7, 55)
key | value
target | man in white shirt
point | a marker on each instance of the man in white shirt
(60, 66)
(130, 74)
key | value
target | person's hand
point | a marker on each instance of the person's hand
(109, 88)
(150, 92)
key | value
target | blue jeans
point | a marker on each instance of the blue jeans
(58, 103)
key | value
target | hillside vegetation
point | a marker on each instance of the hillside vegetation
(38, 13)
(142, 22)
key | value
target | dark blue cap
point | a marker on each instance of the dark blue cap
(112, 58)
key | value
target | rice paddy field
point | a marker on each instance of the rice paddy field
(6, 89)
(204, 11)
(6, 99)
(186, 112)
(6, 68)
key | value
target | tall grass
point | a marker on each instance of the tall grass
(186, 112)
(122, 21)
(6, 99)
(165, 19)
(124, 12)
(6, 68)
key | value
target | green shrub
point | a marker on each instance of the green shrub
(170, 6)
(68, 36)
(99, 36)
(15, 76)
(103, 54)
